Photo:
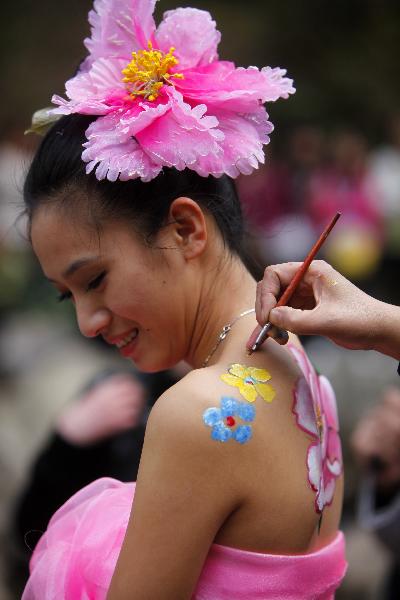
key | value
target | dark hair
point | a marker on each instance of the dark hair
(57, 173)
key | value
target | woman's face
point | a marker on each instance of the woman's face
(122, 290)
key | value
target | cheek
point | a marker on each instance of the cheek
(146, 291)
(136, 302)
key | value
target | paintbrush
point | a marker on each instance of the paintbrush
(270, 330)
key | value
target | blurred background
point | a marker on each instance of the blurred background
(336, 146)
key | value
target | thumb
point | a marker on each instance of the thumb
(293, 319)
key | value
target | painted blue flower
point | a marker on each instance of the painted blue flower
(223, 420)
(243, 434)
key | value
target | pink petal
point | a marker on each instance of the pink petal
(114, 154)
(332, 466)
(245, 135)
(328, 401)
(141, 115)
(334, 449)
(324, 437)
(88, 107)
(181, 136)
(335, 467)
(316, 471)
(302, 360)
(279, 86)
(303, 407)
(327, 493)
(320, 501)
(314, 465)
(95, 92)
(221, 84)
(119, 27)
(192, 33)
(309, 372)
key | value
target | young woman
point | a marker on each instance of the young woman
(240, 483)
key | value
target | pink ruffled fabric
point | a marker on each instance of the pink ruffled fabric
(77, 555)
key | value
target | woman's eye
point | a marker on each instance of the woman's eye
(64, 296)
(92, 285)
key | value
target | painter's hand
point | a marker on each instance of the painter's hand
(325, 303)
(111, 406)
(376, 440)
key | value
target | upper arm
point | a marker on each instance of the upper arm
(178, 506)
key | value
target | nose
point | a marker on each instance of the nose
(92, 322)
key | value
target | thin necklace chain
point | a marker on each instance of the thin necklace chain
(224, 332)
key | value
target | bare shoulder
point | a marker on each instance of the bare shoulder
(195, 382)
(179, 450)
(178, 415)
(182, 407)
(221, 403)
(206, 426)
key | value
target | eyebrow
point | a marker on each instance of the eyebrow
(78, 264)
(75, 266)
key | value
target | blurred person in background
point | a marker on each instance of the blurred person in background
(384, 167)
(385, 172)
(344, 184)
(14, 265)
(99, 433)
(306, 155)
(376, 445)
(275, 199)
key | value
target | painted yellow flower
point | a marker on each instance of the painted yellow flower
(250, 381)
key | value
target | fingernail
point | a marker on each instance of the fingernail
(251, 341)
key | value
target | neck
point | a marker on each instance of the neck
(222, 300)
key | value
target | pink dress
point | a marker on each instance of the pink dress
(76, 557)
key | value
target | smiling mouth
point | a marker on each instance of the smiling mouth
(128, 339)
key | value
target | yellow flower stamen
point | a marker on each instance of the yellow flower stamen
(148, 71)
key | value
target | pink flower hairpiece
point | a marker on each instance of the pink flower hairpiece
(163, 98)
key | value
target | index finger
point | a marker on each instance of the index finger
(276, 279)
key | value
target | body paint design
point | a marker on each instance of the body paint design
(250, 381)
(224, 420)
(314, 407)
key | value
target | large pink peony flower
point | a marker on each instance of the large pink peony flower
(315, 410)
(164, 99)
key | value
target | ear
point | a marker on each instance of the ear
(188, 227)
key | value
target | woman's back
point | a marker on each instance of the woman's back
(277, 510)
